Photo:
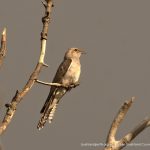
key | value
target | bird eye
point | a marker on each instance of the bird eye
(76, 50)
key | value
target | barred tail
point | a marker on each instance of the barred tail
(50, 107)
(48, 115)
(52, 112)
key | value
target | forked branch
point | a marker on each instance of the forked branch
(112, 143)
(11, 108)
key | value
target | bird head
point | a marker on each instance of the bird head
(74, 53)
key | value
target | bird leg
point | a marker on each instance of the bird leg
(69, 87)
(74, 85)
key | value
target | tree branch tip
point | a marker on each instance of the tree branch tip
(45, 65)
(17, 92)
(147, 119)
(4, 31)
(3, 38)
(130, 101)
(148, 123)
(133, 98)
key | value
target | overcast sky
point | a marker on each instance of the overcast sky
(116, 36)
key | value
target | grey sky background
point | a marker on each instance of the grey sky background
(116, 36)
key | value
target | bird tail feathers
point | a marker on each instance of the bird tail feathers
(49, 107)
(48, 114)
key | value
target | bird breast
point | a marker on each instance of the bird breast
(73, 73)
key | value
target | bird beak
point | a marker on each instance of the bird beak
(82, 52)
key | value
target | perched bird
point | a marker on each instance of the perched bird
(68, 75)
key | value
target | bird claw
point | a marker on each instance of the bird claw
(69, 87)
(75, 85)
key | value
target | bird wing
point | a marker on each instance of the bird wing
(62, 69)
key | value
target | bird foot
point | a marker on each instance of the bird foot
(69, 87)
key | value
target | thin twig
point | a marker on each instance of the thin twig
(135, 132)
(50, 84)
(58, 84)
(3, 47)
(11, 108)
(118, 119)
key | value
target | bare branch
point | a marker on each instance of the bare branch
(112, 143)
(3, 47)
(19, 95)
(118, 119)
(58, 84)
(50, 84)
(135, 132)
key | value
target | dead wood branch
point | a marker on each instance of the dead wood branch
(57, 84)
(50, 84)
(11, 108)
(135, 132)
(3, 47)
(112, 143)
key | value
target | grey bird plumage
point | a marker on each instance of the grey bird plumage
(68, 74)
